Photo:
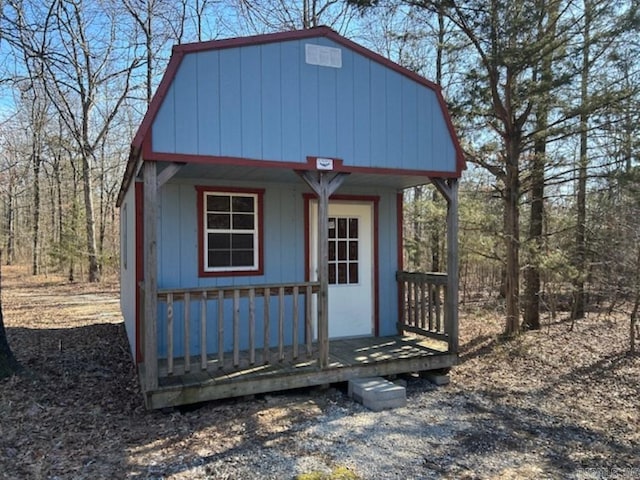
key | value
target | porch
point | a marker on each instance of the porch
(268, 342)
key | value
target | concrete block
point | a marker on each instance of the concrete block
(437, 379)
(378, 405)
(357, 385)
(377, 394)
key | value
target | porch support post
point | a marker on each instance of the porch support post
(150, 276)
(323, 186)
(449, 190)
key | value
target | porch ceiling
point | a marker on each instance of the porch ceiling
(286, 175)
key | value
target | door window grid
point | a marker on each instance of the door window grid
(343, 250)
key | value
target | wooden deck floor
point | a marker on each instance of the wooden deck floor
(348, 358)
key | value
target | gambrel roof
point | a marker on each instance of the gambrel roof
(276, 100)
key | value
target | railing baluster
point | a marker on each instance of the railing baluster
(267, 334)
(220, 329)
(416, 303)
(281, 324)
(438, 308)
(246, 349)
(295, 322)
(203, 330)
(252, 326)
(432, 296)
(170, 333)
(307, 320)
(424, 286)
(187, 332)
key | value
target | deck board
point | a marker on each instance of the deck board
(348, 358)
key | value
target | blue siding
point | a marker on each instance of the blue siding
(265, 102)
(394, 126)
(378, 120)
(290, 102)
(284, 260)
(271, 99)
(362, 110)
(230, 105)
(163, 133)
(409, 117)
(186, 107)
(250, 99)
(208, 91)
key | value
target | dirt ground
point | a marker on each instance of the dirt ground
(551, 404)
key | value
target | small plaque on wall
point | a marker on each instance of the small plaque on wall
(324, 163)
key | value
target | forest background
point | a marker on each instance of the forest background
(545, 97)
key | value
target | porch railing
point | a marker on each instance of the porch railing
(422, 299)
(280, 330)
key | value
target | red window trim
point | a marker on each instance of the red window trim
(259, 192)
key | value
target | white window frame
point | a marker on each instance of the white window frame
(255, 231)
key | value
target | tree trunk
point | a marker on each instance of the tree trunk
(583, 164)
(94, 265)
(512, 239)
(36, 159)
(8, 363)
(538, 164)
(10, 226)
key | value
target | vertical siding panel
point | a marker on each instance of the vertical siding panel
(169, 238)
(230, 105)
(208, 104)
(186, 226)
(186, 106)
(345, 108)
(290, 101)
(409, 157)
(327, 111)
(308, 106)
(271, 102)
(387, 249)
(394, 151)
(251, 103)
(362, 111)
(425, 132)
(275, 233)
(163, 132)
(378, 115)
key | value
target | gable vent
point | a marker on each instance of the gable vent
(323, 56)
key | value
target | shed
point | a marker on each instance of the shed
(261, 220)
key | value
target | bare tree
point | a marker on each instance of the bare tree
(260, 16)
(86, 75)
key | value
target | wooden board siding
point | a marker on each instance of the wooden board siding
(284, 247)
(264, 102)
(128, 266)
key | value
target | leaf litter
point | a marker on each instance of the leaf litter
(550, 404)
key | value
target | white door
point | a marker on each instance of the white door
(350, 266)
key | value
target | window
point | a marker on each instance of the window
(230, 233)
(343, 250)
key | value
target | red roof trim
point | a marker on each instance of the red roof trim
(308, 165)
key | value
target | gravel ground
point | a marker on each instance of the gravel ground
(552, 404)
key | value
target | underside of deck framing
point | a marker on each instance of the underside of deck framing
(348, 358)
